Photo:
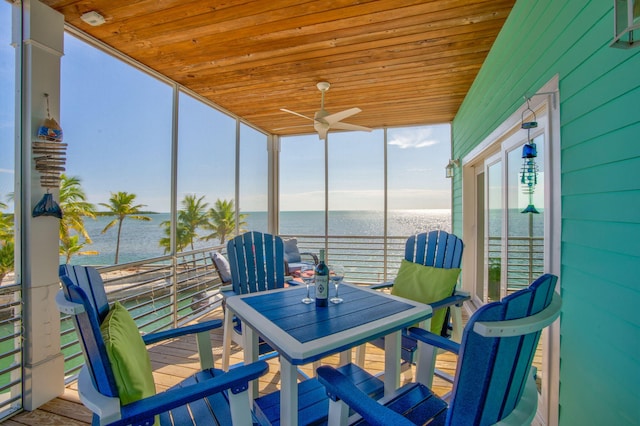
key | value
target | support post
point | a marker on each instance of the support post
(41, 48)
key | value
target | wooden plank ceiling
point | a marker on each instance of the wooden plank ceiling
(402, 62)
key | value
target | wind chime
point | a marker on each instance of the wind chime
(49, 156)
(529, 171)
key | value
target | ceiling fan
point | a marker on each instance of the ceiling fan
(323, 121)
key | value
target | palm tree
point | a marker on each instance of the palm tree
(222, 221)
(7, 258)
(192, 216)
(6, 227)
(121, 206)
(183, 238)
(6, 223)
(70, 246)
(74, 206)
(7, 248)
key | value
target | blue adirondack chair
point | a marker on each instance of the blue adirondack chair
(438, 249)
(494, 379)
(211, 396)
(256, 261)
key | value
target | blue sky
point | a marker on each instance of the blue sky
(7, 106)
(117, 123)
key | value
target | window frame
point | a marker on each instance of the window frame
(545, 103)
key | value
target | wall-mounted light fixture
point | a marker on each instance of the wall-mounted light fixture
(626, 20)
(453, 164)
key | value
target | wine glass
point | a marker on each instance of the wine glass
(308, 273)
(336, 275)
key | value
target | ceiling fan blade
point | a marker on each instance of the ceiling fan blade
(338, 116)
(293, 127)
(347, 126)
(296, 113)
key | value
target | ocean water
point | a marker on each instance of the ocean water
(140, 239)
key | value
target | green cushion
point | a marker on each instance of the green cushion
(128, 356)
(426, 284)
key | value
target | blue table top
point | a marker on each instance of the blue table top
(304, 333)
(308, 322)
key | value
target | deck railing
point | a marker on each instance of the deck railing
(10, 349)
(161, 296)
(366, 259)
(525, 260)
(148, 291)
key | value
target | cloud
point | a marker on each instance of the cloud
(413, 138)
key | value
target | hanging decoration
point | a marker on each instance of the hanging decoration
(529, 172)
(49, 156)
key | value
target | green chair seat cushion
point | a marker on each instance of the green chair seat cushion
(128, 355)
(426, 284)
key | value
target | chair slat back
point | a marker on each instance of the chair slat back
(82, 284)
(492, 371)
(257, 262)
(436, 248)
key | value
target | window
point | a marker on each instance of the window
(302, 188)
(254, 178)
(10, 285)
(206, 166)
(513, 219)
(7, 146)
(374, 189)
(418, 193)
(117, 122)
(356, 183)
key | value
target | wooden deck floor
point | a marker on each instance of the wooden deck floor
(174, 360)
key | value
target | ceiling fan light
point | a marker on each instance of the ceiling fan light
(323, 86)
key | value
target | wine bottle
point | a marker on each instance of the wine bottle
(322, 282)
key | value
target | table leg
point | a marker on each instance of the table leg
(250, 348)
(392, 362)
(426, 363)
(345, 357)
(226, 338)
(288, 393)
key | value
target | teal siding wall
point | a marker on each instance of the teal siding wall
(600, 179)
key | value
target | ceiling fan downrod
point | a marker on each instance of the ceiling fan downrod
(323, 86)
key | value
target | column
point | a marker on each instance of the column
(42, 47)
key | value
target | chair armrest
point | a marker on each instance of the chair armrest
(434, 340)
(227, 291)
(340, 387)
(521, 326)
(105, 407)
(457, 299)
(235, 380)
(381, 285)
(181, 331)
(312, 255)
(66, 306)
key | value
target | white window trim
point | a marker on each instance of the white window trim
(546, 98)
